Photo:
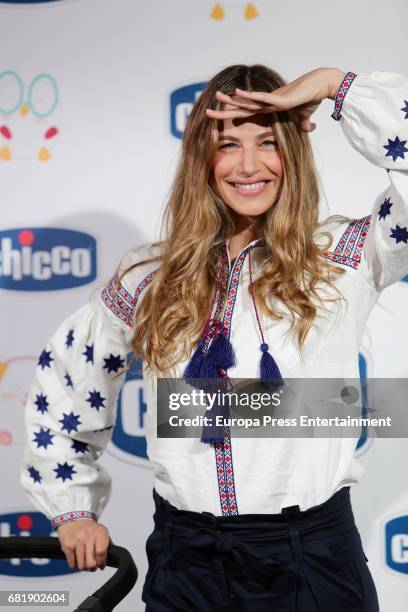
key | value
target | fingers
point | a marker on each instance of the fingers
(272, 99)
(237, 101)
(233, 114)
(101, 549)
(90, 560)
(306, 125)
(80, 555)
(256, 102)
(70, 557)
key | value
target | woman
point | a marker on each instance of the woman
(246, 283)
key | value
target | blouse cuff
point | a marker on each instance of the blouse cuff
(341, 94)
(72, 516)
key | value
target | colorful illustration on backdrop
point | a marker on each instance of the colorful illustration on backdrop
(29, 117)
(221, 10)
(14, 373)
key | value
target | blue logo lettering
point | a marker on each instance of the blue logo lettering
(26, 1)
(181, 103)
(46, 259)
(129, 431)
(30, 524)
(362, 364)
(396, 544)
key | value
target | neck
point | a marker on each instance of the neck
(245, 231)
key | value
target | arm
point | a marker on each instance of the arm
(69, 418)
(70, 414)
(372, 109)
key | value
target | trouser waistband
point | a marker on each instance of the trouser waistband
(333, 515)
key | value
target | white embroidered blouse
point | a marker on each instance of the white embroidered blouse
(70, 412)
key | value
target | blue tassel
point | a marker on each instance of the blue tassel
(220, 354)
(269, 368)
(206, 365)
(193, 368)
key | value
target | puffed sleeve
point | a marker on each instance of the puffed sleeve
(71, 405)
(372, 109)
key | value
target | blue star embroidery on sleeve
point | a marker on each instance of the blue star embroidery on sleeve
(95, 399)
(69, 380)
(41, 403)
(64, 471)
(405, 109)
(396, 148)
(113, 363)
(79, 447)
(34, 474)
(384, 209)
(43, 438)
(70, 338)
(89, 353)
(45, 359)
(70, 422)
(400, 234)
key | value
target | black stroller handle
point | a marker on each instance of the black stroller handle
(102, 600)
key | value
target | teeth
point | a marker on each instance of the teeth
(249, 187)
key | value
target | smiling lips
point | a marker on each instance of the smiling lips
(249, 189)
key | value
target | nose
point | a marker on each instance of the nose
(248, 163)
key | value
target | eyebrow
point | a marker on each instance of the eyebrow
(263, 135)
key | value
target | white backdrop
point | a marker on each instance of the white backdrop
(101, 162)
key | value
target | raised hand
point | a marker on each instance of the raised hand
(303, 96)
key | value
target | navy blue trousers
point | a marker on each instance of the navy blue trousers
(311, 561)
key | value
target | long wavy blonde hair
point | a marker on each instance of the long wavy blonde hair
(196, 223)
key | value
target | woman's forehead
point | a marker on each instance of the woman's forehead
(252, 123)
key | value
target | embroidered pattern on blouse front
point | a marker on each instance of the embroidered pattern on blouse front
(350, 246)
(225, 475)
(223, 450)
(220, 302)
(341, 94)
(72, 516)
(120, 301)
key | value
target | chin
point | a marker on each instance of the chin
(248, 210)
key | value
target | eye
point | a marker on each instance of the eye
(227, 145)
